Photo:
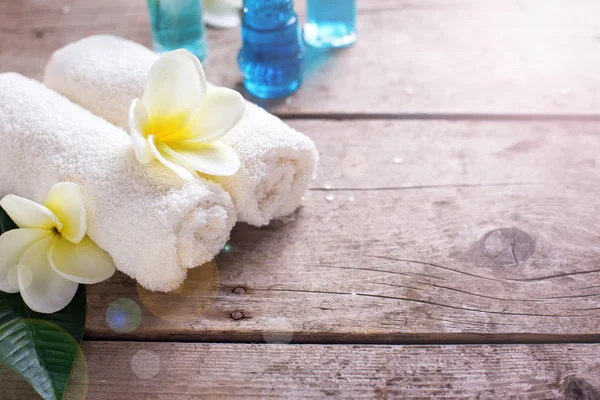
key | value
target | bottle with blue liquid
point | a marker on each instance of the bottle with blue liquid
(178, 24)
(330, 23)
(272, 49)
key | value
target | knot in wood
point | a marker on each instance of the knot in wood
(239, 290)
(236, 315)
(578, 389)
(508, 246)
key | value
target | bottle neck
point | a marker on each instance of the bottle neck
(267, 14)
(274, 5)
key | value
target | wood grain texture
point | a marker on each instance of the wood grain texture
(388, 246)
(391, 253)
(432, 57)
(211, 371)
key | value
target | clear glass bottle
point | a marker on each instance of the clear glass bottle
(272, 49)
(178, 24)
(330, 23)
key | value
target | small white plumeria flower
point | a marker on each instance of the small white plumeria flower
(50, 255)
(223, 13)
(180, 119)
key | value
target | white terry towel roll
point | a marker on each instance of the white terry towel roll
(105, 73)
(153, 224)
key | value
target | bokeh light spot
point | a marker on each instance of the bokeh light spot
(123, 315)
(145, 364)
(190, 301)
(282, 331)
(77, 387)
(26, 276)
(13, 277)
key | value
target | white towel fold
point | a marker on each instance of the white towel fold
(154, 225)
(105, 73)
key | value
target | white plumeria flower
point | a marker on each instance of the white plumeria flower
(50, 255)
(223, 13)
(180, 119)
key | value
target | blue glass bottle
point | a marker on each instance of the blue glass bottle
(178, 24)
(272, 48)
(330, 23)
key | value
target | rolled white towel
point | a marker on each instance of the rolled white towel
(105, 73)
(153, 224)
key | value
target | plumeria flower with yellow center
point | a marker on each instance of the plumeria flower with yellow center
(50, 255)
(223, 13)
(179, 119)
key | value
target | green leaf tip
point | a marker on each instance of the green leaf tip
(41, 348)
(6, 224)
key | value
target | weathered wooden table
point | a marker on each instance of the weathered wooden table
(449, 247)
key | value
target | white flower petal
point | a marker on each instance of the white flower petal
(220, 112)
(84, 262)
(65, 200)
(214, 158)
(42, 289)
(12, 246)
(174, 91)
(138, 123)
(221, 14)
(162, 155)
(28, 214)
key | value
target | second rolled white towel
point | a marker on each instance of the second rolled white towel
(105, 73)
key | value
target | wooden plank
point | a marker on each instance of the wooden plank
(174, 371)
(392, 252)
(455, 56)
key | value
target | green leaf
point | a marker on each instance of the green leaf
(41, 347)
(6, 224)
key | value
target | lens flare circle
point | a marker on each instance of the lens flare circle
(190, 301)
(123, 315)
(145, 364)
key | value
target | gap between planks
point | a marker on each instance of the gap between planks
(467, 339)
(437, 117)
